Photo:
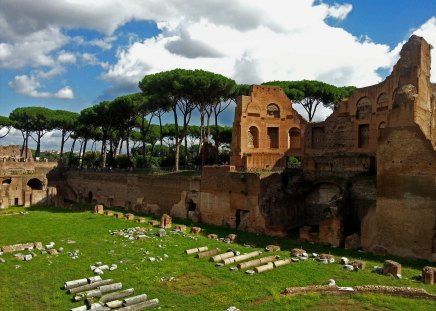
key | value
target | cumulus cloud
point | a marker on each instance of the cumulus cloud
(29, 85)
(66, 58)
(190, 48)
(339, 12)
(250, 41)
(291, 42)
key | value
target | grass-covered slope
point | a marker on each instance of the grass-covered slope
(197, 284)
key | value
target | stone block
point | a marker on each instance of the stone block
(297, 252)
(108, 213)
(119, 215)
(99, 209)
(195, 230)
(52, 251)
(352, 241)
(272, 248)
(140, 220)
(166, 221)
(232, 237)
(212, 236)
(428, 275)
(359, 264)
(38, 245)
(129, 216)
(154, 222)
(181, 228)
(391, 267)
(327, 258)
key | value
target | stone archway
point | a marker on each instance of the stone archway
(35, 184)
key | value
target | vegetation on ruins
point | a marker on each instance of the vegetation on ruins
(129, 120)
(310, 94)
(180, 281)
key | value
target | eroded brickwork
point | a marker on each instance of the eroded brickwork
(266, 130)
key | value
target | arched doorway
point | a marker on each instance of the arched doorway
(35, 184)
(89, 197)
(253, 137)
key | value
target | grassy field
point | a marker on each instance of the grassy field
(197, 284)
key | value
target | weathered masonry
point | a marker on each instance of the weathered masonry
(266, 130)
(23, 182)
(368, 174)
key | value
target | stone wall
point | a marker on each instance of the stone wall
(150, 194)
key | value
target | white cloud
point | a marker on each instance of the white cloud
(338, 11)
(66, 58)
(250, 41)
(30, 85)
(32, 49)
(292, 42)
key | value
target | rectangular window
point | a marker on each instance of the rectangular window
(363, 135)
(273, 137)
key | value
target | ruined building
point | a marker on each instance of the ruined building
(23, 181)
(367, 177)
(266, 130)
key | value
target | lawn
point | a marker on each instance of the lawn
(196, 285)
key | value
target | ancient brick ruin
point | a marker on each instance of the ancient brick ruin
(23, 181)
(367, 176)
(266, 130)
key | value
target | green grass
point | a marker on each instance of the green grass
(198, 285)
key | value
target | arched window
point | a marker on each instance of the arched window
(253, 137)
(294, 138)
(382, 102)
(7, 181)
(364, 108)
(273, 110)
(35, 184)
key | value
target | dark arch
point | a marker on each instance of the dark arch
(89, 197)
(363, 108)
(253, 137)
(35, 184)
(191, 206)
(6, 181)
(273, 110)
(382, 101)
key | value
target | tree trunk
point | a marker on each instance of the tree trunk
(27, 144)
(38, 144)
(128, 147)
(64, 133)
(83, 152)
(177, 144)
(103, 152)
(71, 152)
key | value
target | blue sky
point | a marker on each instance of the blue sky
(72, 54)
